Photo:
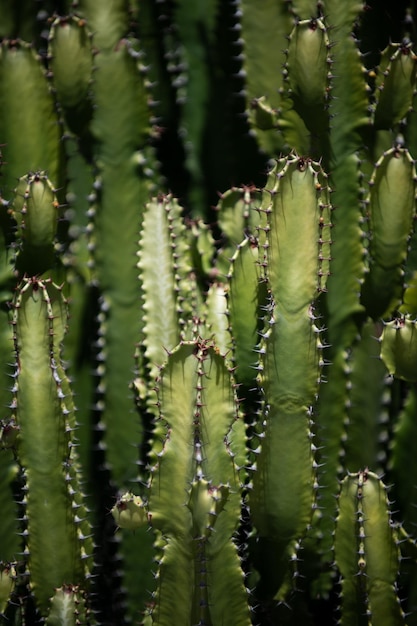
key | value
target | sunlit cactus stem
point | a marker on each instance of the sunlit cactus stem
(57, 536)
(297, 251)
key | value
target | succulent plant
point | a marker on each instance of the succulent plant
(208, 317)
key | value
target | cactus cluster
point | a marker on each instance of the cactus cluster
(208, 313)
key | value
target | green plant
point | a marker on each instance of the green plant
(244, 375)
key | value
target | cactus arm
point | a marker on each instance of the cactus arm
(196, 29)
(120, 127)
(308, 68)
(45, 415)
(108, 22)
(68, 608)
(410, 134)
(366, 416)
(297, 252)
(392, 207)
(263, 78)
(162, 267)
(197, 516)
(399, 347)
(202, 248)
(281, 502)
(29, 127)
(217, 316)
(349, 110)
(366, 552)
(395, 85)
(69, 38)
(7, 584)
(178, 454)
(403, 460)
(9, 540)
(245, 293)
(331, 428)
(36, 209)
(237, 215)
(345, 296)
(349, 79)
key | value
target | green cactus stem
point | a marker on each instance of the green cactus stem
(368, 573)
(164, 270)
(130, 512)
(308, 68)
(366, 411)
(195, 519)
(395, 85)
(392, 209)
(36, 209)
(29, 128)
(217, 316)
(233, 376)
(57, 534)
(348, 109)
(246, 291)
(10, 545)
(297, 251)
(69, 38)
(403, 463)
(399, 348)
(121, 131)
(264, 77)
(68, 607)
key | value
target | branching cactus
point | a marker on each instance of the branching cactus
(195, 490)
(207, 245)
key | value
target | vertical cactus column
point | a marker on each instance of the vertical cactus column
(120, 127)
(369, 571)
(57, 533)
(164, 268)
(35, 208)
(120, 130)
(29, 127)
(297, 254)
(195, 491)
(392, 210)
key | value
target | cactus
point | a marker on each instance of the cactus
(195, 515)
(44, 413)
(370, 575)
(208, 313)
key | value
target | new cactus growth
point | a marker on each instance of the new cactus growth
(208, 278)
